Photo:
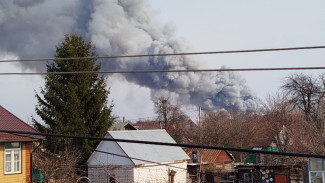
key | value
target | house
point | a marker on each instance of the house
(183, 130)
(15, 150)
(149, 125)
(185, 121)
(210, 165)
(134, 162)
(122, 126)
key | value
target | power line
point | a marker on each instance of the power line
(119, 155)
(167, 54)
(91, 149)
(171, 144)
(163, 71)
(114, 154)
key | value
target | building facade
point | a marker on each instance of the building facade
(15, 149)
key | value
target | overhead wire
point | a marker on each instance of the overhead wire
(171, 144)
(168, 54)
(114, 154)
(163, 71)
(91, 149)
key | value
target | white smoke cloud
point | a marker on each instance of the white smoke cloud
(133, 30)
(120, 27)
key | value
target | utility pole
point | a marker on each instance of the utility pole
(199, 114)
(200, 126)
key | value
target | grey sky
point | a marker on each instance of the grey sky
(232, 25)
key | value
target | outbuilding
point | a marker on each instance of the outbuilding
(133, 162)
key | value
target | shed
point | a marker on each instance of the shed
(134, 162)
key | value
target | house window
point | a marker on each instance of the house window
(316, 170)
(12, 157)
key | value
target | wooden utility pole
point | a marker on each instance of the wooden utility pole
(200, 126)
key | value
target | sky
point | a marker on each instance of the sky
(207, 25)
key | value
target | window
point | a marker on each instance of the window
(12, 158)
(316, 170)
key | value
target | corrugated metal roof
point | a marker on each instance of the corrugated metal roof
(154, 153)
(8, 121)
(206, 155)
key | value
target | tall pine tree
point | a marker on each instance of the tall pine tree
(74, 104)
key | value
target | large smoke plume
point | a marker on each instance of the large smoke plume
(30, 29)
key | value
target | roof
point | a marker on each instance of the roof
(9, 121)
(209, 155)
(153, 153)
(149, 125)
(122, 126)
(187, 123)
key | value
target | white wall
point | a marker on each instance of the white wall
(159, 173)
(141, 174)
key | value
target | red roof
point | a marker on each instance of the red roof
(209, 155)
(9, 121)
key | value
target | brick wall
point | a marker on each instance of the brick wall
(101, 174)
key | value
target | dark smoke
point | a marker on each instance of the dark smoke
(30, 29)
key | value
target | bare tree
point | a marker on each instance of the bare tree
(282, 124)
(229, 129)
(308, 94)
(176, 123)
(278, 121)
(289, 129)
(58, 167)
(167, 113)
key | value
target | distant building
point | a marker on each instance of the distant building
(133, 162)
(209, 165)
(122, 126)
(182, 130)
(185, 121)
(15, 150)
(149, 125)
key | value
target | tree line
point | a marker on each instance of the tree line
(292, 121)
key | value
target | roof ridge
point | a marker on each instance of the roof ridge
(136, 131)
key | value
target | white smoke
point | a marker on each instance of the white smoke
(120, 27)
(32, 28)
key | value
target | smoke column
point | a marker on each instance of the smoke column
(30, 29)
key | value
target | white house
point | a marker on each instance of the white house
(133, 162)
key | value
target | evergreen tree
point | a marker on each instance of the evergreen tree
(74, 104)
